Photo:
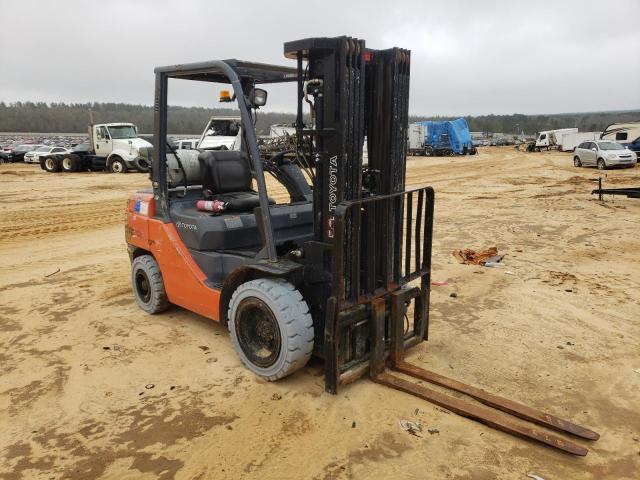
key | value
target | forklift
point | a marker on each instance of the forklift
(342, 270)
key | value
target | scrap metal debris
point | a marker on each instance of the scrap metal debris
(471, 257)
(414, 428)
(52, 273)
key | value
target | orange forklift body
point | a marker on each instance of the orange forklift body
(184, 281)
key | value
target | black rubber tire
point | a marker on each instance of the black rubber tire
(428, 152)
(286, 318)
(148, 286)
(69, 163)
(576, 162)
(76, 163)
(473, 151)
(601, 164)
(142, 164)
(51, 164)
(117, 165)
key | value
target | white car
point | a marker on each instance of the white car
(34, 156)
(603, 154)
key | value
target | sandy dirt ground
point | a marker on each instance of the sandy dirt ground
(92, 387)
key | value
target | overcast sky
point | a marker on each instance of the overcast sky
(468, 57)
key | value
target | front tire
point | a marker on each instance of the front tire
(118, 166)
(148, 286)
(271, 327)
(601, 164)
(576, 162)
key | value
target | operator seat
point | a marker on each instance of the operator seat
(226, 176)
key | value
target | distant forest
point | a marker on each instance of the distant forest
(73, 118)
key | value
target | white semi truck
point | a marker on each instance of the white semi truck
(549, 138)
(113, 147)
(222, 132)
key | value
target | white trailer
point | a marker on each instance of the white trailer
(622, 132)
(416, 139)
(567, 142)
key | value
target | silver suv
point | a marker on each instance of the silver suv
(603, 154)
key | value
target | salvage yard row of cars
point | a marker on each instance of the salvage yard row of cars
(29, 153)
(602, 154)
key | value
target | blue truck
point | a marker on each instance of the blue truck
(450, 137)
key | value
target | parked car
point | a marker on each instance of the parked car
(9, 148)
(34, 155)
(603, 154)
(18, 153)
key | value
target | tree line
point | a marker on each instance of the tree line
(74, 117)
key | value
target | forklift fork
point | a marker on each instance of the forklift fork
(356, 302)
(490, 414)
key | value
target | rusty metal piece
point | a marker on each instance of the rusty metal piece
(376, 360)
(478, 412)
(501, 403)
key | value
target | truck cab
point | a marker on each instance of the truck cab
(120, 146)
(222, 132)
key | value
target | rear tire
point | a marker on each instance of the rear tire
(69, 163)
(576, 162)
(601, 164)
(148, 286)
(51, 165)
(271, 327)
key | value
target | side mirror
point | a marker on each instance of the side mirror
(258, 97)
(594, 149)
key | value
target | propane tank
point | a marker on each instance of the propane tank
(215, 206)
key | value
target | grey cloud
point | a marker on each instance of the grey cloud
(468, 57)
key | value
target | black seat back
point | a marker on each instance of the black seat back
(224, 171)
